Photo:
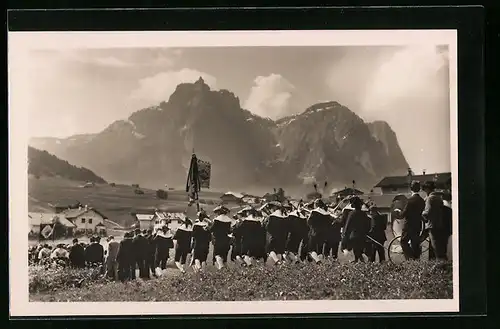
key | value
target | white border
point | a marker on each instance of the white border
(18, 182)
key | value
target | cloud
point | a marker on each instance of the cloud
(157, 88)
(411, 72)
(270, 96)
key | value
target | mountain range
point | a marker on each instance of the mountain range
(153, 147)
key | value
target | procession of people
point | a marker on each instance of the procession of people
(277, 232)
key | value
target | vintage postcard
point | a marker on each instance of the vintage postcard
(240, 172)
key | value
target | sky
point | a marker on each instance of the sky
(83, 91)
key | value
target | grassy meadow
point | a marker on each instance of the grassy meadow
(330, 281)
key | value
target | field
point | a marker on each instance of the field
(116, 202)
(412, 280)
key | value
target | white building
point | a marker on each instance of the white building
(38, 220)
(86, 219)
(159, 219)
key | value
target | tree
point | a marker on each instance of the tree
(162, 194)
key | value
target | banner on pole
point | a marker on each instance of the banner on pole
(204, 172)
(47, 231)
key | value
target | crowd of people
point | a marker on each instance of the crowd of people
(277, 231)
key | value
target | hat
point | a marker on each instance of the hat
(137, 231)
(429, 185)
(75, 240)
(415, 186)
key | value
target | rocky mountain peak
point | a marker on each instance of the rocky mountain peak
(326, 141)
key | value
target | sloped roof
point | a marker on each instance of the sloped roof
(73, 213)
(400, 181)
(235, 194)
(40, 218)
(64, 221)
(144, 216)
(348, 190)
(37, 219)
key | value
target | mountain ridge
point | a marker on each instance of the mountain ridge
(154, 145)
(43, 164)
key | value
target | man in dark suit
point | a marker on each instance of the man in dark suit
(356, 228)
(141, 248)
(94, 253)
(434, 215)
(77, 254)
(412, 223)
(126, 258)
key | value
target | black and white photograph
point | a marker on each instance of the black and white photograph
(233, 172)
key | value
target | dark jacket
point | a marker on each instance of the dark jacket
(412, 213)
(141, 247)
(77, 255)
(126, 254)
(201, 237)
(358, 224)
(319, 222)
(378, 226)
(433, 211)
(94, 253)
(163, 242)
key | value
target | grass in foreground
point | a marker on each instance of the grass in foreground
(412, 280)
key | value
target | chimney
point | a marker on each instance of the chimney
(423, 172)
(86, 207)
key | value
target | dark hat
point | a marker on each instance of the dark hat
(415, 186)
(429, 185)
(75, 240)
(356, 202)
(137, 231)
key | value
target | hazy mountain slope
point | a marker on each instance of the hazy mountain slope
(44, 164)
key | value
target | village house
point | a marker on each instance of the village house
(401, 184)
(251, 199)
(37, 222)
(65, 204)
(87, 220)
(232, 197)
(158, 219)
